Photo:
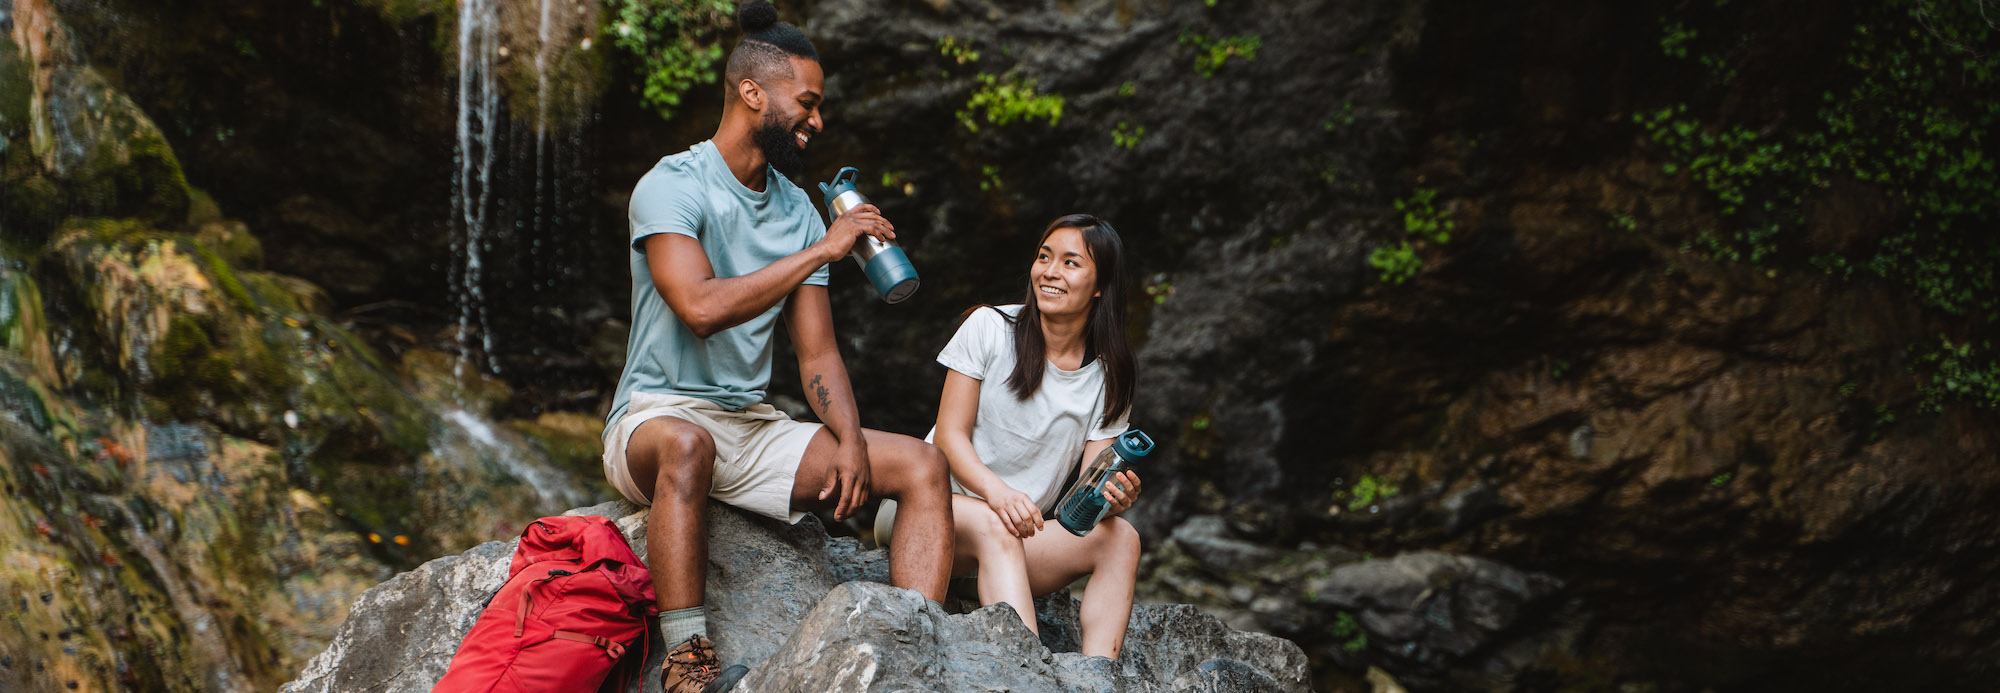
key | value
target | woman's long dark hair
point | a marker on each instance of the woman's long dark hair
(1104, 331)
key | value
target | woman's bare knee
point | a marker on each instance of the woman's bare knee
(989, 534)
(1121, 539)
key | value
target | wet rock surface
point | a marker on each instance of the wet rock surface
(780, 601)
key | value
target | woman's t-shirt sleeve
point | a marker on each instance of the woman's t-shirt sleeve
(1101, 431)
(971, 350)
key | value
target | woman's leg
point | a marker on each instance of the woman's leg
(1110, 556)
(984, 542)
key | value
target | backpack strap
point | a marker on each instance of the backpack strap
(528, 600)
(612, 648)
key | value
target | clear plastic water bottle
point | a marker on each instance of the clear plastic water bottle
(1083, 505)
(887, 267)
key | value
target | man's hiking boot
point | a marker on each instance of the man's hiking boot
(692, 667)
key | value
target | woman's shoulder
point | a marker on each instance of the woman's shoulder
(992, 318)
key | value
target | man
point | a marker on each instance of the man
(722, 248)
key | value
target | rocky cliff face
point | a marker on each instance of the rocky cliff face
(1674, 466)
(784, 600)
(203, 468)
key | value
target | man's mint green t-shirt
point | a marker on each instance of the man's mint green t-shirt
(741, 230)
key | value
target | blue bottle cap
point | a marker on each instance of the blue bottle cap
(842, 182)
(1133, 444)
(893, 275)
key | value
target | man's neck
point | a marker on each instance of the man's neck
(745, 160)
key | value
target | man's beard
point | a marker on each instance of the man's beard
(780, 147)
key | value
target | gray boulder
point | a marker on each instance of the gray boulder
(866, 636)
(1432, 620)
(777, 602)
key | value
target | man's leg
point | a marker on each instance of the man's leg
(913, 473)
(674, 461)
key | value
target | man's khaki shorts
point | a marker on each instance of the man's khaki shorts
(757, 450)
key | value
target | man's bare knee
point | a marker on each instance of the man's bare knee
(921, 472)
(929, 471)
(686, 465)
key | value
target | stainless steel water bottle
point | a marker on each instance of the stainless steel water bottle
(887, 267)
(1083, 505)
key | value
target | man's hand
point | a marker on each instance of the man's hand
(848, 228)
(1016, 510)
(1122, 491)
(848, 483)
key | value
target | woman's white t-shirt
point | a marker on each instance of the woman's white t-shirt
(1031, 444)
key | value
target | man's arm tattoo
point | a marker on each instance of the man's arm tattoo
(820, 390)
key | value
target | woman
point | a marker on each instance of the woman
(1034, 392)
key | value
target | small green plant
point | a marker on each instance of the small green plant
(1160, 288)
(676, 42)
(1721, 480)
(989, 178)
(1368, 491)
(1128, 90)
(1341, 119)
(1963, 373)
(960, 53)
(1000, 101)
(1397, 262)
(1674, 39)
(1127, 135)
(1211, 53)
(1348, 631)
(1422, 219)
(1624, 222)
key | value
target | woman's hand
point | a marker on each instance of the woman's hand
(1122, 491)
(1016, 511)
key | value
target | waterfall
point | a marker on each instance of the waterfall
(541, 116)
(470, 434)
(472, 188)
(522, 175)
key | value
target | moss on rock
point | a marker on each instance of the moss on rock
(573, 441)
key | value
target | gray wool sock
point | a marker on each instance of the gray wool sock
(678, 624)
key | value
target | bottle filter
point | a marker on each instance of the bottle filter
(1084, 505)
(887, 266)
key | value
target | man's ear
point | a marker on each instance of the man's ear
(750, 94)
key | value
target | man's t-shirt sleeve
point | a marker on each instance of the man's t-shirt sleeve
(664, 202)
(819, 276)
(971, 349)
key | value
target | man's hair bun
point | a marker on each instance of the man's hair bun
(756, 16)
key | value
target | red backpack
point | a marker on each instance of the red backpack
(576, 597)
